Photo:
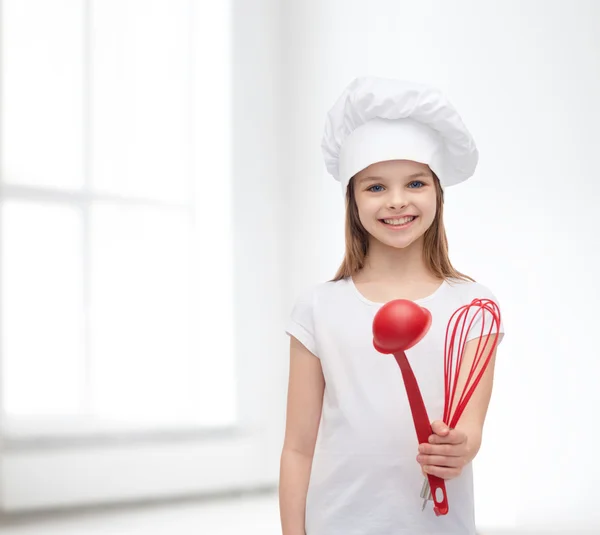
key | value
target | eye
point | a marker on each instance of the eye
(417, 182)
(375, 186)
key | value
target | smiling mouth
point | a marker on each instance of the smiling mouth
(398, 223)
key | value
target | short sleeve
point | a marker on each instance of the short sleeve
(300, 324)
(483, 322)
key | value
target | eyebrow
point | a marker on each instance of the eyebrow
(409, 177)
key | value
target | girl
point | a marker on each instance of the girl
(350, 463)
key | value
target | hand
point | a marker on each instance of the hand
(446, 453)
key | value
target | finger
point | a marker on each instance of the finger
(443, 472)
(439, 428)
(453, 437)
(440, 460)
(448, 450)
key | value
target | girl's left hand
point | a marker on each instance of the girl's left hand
(447, 452)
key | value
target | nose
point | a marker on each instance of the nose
(396, 199)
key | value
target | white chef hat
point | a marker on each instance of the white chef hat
(379, 119)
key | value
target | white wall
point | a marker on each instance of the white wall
(259, 216)
(526, 78)
(120, 469)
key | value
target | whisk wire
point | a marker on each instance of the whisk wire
(452, 368)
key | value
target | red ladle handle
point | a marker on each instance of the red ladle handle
(422, 427)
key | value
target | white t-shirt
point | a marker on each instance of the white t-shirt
(365, 479)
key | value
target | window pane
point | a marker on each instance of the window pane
(145, 368)
(140, 98)
(213, 201)
(42, 92)
(42, 316)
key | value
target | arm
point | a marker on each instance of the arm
(473, 417)
(449, 451)
(304, 405)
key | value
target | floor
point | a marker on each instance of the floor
(251, 514)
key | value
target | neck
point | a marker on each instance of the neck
(396, 266)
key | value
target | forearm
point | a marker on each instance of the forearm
(472, 420)
(474, 434)
(294, 477)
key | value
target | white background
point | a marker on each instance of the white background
(526, 78)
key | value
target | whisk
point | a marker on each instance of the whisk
(452, 367)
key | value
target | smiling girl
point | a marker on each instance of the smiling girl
(350, 464)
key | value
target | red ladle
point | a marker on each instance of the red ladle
(397, 326)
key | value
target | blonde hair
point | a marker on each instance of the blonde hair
(435, 244)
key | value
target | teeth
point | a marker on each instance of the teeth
(398, 221)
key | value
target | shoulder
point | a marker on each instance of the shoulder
(311, 304)
(317, 293)
(471, 290)
(466, 291)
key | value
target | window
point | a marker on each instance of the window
(116, 234)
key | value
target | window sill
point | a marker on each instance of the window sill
(31, 434)
(122, 469)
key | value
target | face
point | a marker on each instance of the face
(387, 192)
